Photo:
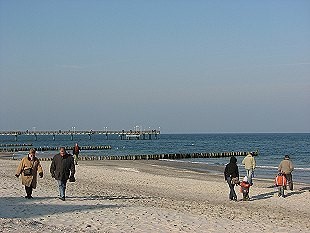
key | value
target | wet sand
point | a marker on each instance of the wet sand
(147, 196)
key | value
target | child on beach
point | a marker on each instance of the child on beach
(280, 182)
(245, 189)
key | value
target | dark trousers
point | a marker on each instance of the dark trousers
(232, 193)
(246, 196)
(281, 191)
(28, 191)
(289, 179)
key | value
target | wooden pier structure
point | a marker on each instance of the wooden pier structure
(123, 134)
(52, 148)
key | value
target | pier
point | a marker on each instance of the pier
(122, 134)
(52, 148)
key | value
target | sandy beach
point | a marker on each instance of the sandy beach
(147, 196)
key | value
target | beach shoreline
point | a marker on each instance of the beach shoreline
(190, 164)
(148, 196)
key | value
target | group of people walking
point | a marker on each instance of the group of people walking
(231, 175)
(62, 169)
(63, 164)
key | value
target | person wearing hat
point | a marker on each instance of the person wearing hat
(249, 165)
(286, 167)
(29, 167)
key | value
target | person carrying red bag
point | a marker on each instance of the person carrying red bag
(281, 182)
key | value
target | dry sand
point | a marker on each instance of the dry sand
(147, 196)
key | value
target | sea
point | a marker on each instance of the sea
(271, 146)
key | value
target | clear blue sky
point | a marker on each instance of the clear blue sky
(183, 66)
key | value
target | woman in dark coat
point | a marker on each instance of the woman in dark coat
(231, 172)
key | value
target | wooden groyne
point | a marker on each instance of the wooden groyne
(122, 134)
(49, 148)
(161, 156)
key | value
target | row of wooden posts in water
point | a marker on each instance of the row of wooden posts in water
(126, 157)
(162, 156)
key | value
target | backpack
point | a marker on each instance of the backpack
(280, 180)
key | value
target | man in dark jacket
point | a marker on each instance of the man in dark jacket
(62, 169)
(231, 175)
(76, 151)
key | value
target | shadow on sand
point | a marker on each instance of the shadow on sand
(96, 197)
(263, 196)
(305, 189)
(19, 207)
(287, 194)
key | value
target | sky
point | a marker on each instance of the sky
(178, 66)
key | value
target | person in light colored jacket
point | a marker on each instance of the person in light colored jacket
(249, 165)
(32, 164)
(286, 167)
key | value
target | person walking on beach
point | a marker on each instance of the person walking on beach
(76, 151)
(29, 168)
(286, 167)
(231, 175)
(280, 183)
(62, 169)
(249, 165)
(245, 189)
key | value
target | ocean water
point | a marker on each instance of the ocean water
(271, 146)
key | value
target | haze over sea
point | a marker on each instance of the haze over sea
(271, 146)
